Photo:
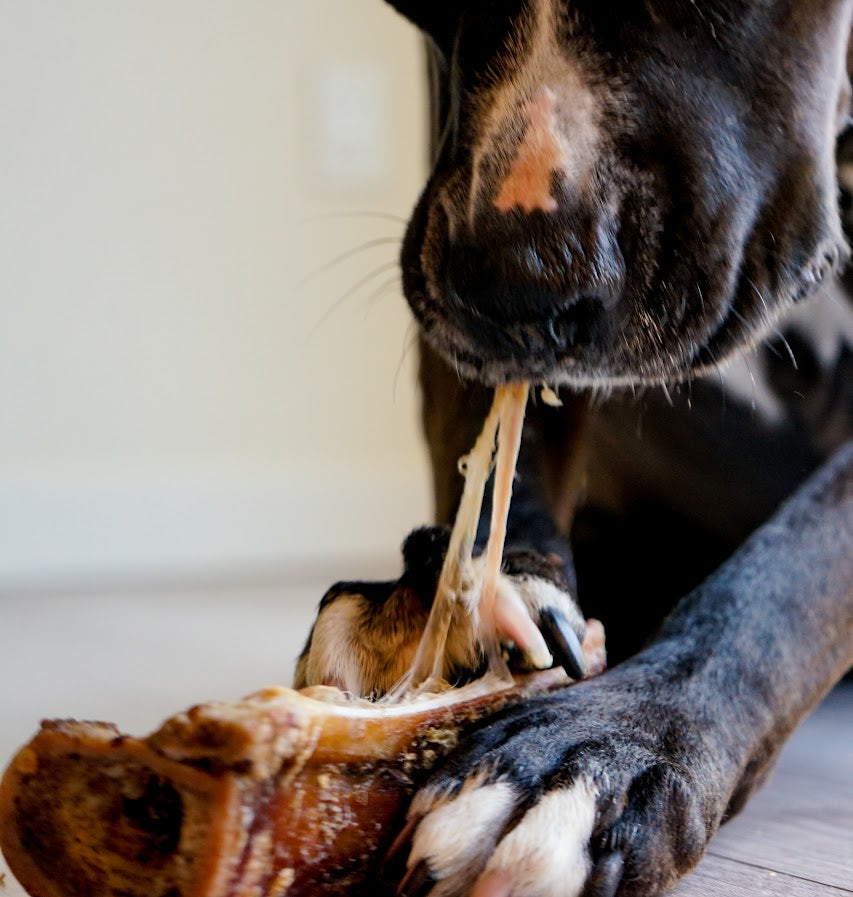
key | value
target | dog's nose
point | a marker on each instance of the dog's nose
(516, 297)
(572, 327)
(522, 281)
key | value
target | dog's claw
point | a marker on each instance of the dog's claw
(395, 859)
(418, 882)
(563, 642)
(606, 876)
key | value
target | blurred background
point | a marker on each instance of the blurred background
(194, 380)
(208, 409)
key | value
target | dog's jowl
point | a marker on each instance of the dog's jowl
(645, 205)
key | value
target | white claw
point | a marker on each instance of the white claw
(513, 622)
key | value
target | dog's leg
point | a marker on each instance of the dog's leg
(616, 786)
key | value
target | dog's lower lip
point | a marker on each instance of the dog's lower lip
(490, 371)
(573, 369)
(456, 345)
(495, 372)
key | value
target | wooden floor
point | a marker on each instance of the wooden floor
(795, 838)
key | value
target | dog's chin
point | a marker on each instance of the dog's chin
(581, 368)
(608, 359)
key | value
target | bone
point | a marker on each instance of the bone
(285, 792)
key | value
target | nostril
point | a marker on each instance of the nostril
(574, 325)
(562, 330)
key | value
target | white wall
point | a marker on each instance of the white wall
(175, 400)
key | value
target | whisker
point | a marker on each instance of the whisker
(370, 301)
(459, 376)
(370, 244)
(770, 347)
(748, 331)
(759, 294)
(371, 275)
(834, 296)
(682, 311)
(754, 399)
(409, 341)
(788, 349)
(776, 331)
(777, 334)
(354, 213)
(742, 319)
(723, 391)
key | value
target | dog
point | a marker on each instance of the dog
(642, 205)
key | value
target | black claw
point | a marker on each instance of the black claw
(417, 883)
(562, 642)
(606, 876)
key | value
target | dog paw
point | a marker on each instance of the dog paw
(366, 633)
(533, 588)
(595, 791)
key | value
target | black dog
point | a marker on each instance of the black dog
(628, 195)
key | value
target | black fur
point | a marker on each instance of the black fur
(710, 202)
(708, 207)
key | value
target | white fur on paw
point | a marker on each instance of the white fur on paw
(538, 593)
(457, 837)
(352, 656)
(546, 854)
